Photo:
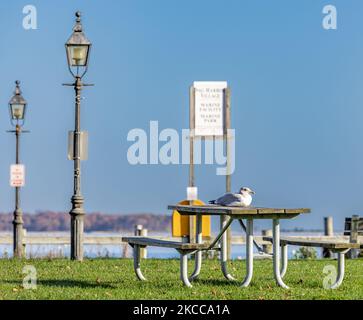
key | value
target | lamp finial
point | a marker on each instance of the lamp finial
(17, 87)
(78, 26)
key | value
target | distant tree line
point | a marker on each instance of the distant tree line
(59, 221)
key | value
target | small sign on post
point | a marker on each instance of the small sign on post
(17, 175)
(192, 193)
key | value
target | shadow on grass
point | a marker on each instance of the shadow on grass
(217, 282)
(67, 283)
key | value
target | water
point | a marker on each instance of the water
(117, 251)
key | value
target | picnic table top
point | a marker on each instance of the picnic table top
(253, 212)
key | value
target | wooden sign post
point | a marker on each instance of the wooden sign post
(210, 118)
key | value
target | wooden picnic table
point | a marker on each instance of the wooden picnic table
(228, 215)
(255, 212)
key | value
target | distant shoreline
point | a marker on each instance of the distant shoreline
(49, 221)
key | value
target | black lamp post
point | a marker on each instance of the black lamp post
(17, 108)
(78, 49)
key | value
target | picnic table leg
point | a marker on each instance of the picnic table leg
(284, 253)
(184, 269)
(224, 259)
(198, 254)
(276, 253)
(137, 267)
(341, 269)
(249, 253)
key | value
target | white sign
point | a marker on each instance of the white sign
(209, 108)
(17, 175)
(192, 193)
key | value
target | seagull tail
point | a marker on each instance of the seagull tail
(212, 202)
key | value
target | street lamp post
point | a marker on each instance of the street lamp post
(17, 108)
(78, 48)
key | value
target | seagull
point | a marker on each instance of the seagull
(241, 199)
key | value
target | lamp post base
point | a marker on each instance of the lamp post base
(18, 234)
(77, 226)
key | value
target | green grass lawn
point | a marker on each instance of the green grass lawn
(114, 279)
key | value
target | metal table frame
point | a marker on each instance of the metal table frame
(228, 215)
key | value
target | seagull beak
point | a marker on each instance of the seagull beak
(252, 192)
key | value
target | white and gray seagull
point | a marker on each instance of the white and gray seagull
(241, 199)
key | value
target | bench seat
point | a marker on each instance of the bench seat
(328, 244)
(339, 247)
(184, 248)
(152, 242)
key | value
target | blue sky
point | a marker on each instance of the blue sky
(297, 100)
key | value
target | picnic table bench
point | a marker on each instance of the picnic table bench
(183, 248)
(339, 247)
(228, 215)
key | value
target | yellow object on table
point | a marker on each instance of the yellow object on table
(181, 226)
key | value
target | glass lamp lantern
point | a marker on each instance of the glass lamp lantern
(17, 106)
(78, 47)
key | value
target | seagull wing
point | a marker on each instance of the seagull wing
(229, 199)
